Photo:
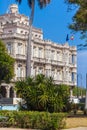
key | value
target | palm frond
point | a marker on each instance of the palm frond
(19, 1)
(43, 3)
(30, 3)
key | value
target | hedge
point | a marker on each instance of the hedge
(33, 120)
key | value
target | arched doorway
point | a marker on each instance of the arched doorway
(3, 91)
(11, 92)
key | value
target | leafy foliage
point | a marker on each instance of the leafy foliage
(33, 120)
(41, 3)
(6, 64)
(79, 91)
(41, 94)
(80, 17)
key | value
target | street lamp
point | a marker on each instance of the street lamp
(79, 75)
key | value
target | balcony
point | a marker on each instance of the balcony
(13, 35)
(47, 61)
(20, 57)
(58, 81)
(40, 41)
(57, 63)
(20, 78)
(72, 83)
(72, 65)
(39, 60)
(53, 62)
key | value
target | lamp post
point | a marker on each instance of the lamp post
(78, 75)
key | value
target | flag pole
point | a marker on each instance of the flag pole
(72, 38)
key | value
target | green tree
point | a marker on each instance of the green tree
(79, 91)
(80, 17)
(31, 4)
(6, 64)
(42, 94)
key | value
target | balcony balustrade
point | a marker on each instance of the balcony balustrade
(48, 61)
(58, 81)
(57, 63)
(39, 60)
(72, 83)
(71, 65)
(20, 78)
(12, 35)
(20, 56)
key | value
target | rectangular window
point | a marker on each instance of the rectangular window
(73, 77)
(73, 59)
(19, 71)
(40, 70)
(47, 73)
(59, 56)
(40, 52)
(34, 51)
(34, 71)
(9, 48)
(19, 48)
(52, 73)
(53, 55)
(47, 54)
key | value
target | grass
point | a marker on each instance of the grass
(78, 120)
(73, 122)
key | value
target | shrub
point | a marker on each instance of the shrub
(34, 120)
(81, 106)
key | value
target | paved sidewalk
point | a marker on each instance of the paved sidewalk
(78, 128)
(14, 129)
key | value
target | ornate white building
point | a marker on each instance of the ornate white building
(47, 57)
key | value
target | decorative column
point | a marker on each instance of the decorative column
(15, 94)
(7, 92)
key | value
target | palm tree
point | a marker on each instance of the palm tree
(31, 4)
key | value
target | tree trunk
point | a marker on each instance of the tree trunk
(28, 59)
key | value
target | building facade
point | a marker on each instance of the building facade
(49, 58)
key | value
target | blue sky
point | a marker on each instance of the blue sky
(54, 21)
